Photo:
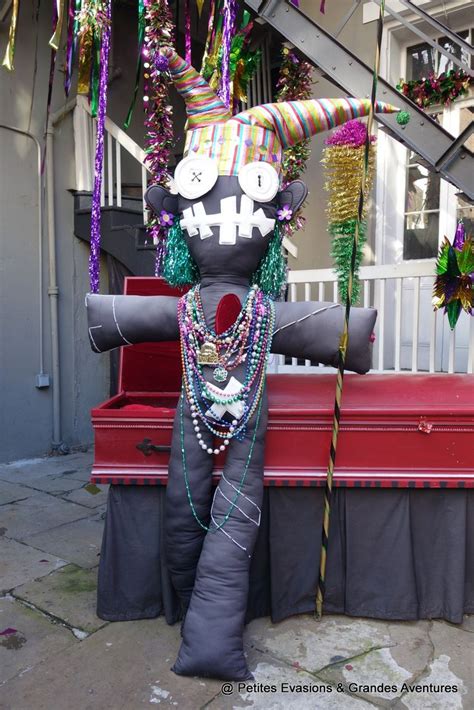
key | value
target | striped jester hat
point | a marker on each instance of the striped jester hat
(258, 133)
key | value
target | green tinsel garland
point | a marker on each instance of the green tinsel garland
(343, 238)
(271, 274)
(179, 267)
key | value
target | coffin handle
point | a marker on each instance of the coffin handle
(147, 448)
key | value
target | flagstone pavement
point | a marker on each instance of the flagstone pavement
(56, 654)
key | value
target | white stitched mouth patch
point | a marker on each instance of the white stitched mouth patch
(230, 222)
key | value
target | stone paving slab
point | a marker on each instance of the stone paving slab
(34, 639)
(452, 664)
(279, 686)
(10, 492)
(20, 563)
(315, 644)
(82, 474)
(78, 542)
(68, 594)
(123, 666)
(37, 514)
(30, 469)
(88, 494)
(54, 484)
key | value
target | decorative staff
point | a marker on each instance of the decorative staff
(343, 345)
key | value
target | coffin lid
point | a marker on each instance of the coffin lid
(150, 367)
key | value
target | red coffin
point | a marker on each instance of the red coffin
(396, 430)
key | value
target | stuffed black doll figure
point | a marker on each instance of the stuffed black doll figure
(225, 242)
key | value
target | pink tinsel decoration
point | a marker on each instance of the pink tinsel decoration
(352, 133)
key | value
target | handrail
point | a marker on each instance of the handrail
(120, 136)
(407, 269)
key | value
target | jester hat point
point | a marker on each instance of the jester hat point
(260, 133)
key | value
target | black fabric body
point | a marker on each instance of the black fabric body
(210, 571)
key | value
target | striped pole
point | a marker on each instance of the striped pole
(345, 336)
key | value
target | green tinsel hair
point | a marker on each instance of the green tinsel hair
(180, 269)
(341, 252)
(271, 273)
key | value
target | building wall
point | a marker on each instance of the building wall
(314, 242)
(25, 411)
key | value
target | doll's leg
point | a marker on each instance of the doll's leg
(212, 633)
(184, 535)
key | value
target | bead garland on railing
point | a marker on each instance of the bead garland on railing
(247, 342)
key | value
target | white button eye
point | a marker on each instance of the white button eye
(194, 176)
(259, 181)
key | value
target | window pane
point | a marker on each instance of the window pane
(452, 48)
(420, 61)
(421, 236)
(422, 189)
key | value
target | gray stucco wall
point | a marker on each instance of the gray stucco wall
(25, 411)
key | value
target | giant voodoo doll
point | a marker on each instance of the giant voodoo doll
(226, 243)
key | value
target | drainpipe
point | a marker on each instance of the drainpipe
(53, 290)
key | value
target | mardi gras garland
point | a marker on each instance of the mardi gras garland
(242, 60)
(158, 111)
(454, 285)
(294, 83)
(442, 89)
(343, 160)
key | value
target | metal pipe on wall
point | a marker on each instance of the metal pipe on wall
(53, 290)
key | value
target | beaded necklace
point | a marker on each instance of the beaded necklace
(242, 480)
(247, 342)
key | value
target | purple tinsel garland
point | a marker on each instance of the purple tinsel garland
(229, 11)
(351, 133)
(94, 255)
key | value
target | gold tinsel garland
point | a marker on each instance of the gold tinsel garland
(344, 165)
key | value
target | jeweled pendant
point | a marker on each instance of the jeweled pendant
(208, 354)
(220, 374)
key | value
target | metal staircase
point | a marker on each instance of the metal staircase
(437, 148)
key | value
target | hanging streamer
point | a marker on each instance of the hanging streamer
(187, 31)
(71, 44)
(56, 38)
(228, 24)
(52, 67)
(210, 28)
(199, 5)
(93, 23)
(158, 111)
(10, 50)
(85, 61)
(101, 16)
(141, 37)
(345, 333)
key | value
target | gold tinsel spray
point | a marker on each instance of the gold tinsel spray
(343, 161)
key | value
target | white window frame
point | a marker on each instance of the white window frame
(391, 180)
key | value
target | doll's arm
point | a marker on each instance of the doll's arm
(125, 320)
(312, 330)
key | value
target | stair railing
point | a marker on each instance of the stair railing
(115, 141)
